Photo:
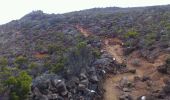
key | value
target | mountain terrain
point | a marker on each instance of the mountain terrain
(95, 54)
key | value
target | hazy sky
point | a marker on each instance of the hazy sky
(15, 9)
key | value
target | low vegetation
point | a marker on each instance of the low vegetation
(42, 43)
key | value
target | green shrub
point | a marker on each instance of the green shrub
(96, 52)
(150, 38)
(131, 34)
(167, 26)
(11, 80)
(19, 86)
(20, 61)
(57, 67)
(32, 65)
(13, 96)
(129, 43)
(3, 63)
(81, 45)
(59, 49)
(2, 89)
(48, 64)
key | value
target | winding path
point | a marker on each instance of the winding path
(113, 47)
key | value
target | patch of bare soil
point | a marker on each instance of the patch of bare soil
(144, 70)
(113, 47)
(86, 33)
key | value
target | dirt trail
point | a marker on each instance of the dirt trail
(113, 46)
(83, 31)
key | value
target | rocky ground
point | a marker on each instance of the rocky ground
(102, 53)
(140, 79)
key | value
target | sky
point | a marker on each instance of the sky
(15, 9)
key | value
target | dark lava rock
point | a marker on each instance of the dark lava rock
(165, 69)
(133, 71)
(86, 84)
(162, 69)
(48, 86)
(94, 78)
(167, 89)
(145, 78)
(125, 97)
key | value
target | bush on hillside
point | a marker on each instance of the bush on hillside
(3, 63)
(21, 62)
(131, 34)
(19, 86)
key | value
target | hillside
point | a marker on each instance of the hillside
(102, 53)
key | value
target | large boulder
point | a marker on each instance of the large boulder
(162, 69)
(166, 88)
(125, 96)
(48, 86)
(165, 69)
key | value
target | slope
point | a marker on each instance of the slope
(112, 85)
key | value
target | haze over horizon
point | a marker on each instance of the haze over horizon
(12, 10)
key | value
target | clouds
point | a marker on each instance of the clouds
(15, 9)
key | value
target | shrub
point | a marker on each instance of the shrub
(131, 34)
(55, 49)
(34, 69)
(81, 45)
(150, 38)
(11, 80)
(19, 86)
(148, 42)
(79, 57)
(129, 43)
(96, 52)
(20, 61)
(13, 96)
(57, 67)
(48, 64)
(3, 63)
(32, 65)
